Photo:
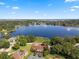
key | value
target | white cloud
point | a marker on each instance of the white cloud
(71, 0)
(74, 8)
(2, 3)
(15, 8)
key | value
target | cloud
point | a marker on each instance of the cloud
(2, 3)
(15, 8)
(71, 0)
(74, 8)
(77, 7)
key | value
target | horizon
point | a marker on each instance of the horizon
(39, 9)
(37, 19)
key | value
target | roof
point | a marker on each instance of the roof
(38, 47)
(16, 56)
(19, 54)
(77, 44)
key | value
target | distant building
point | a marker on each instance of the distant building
(12, 40)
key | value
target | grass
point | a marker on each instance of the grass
(53, 56)
(41, 40)
(27, 47)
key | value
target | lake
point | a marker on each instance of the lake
(48, 31)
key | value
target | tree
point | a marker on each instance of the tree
(67, 47)
(46, 41)
(22, 40)
(7, 35)
(4, 43)
(57, 49)
(1, 43)
(70, 40)
(5, 55)
(15, 47)
(75, 53)
(56, 40)
(76, 39)
(30, 38)
(46, 52)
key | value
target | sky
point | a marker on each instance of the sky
(39, 9)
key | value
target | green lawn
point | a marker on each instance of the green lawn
(27, 47)
(41, 40)
(52, 56)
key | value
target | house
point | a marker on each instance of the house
(77, 45)
(19, 54)
(38, 49)
(12, 40)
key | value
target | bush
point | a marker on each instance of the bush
(5, 55)
(22, 40)
(4, 44)
(16, 47)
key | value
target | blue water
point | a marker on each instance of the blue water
(47, 31)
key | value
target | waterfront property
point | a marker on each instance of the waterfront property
(36, 46)
(38, 49)
(19, 54)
